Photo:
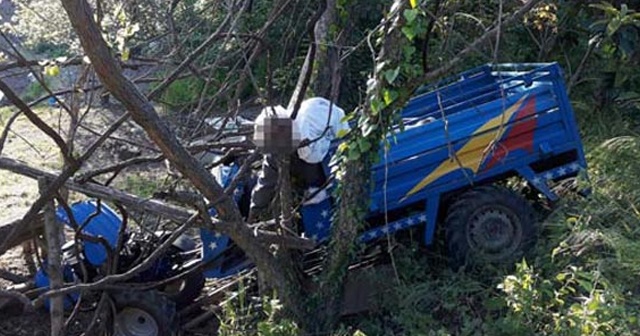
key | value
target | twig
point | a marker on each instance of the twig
(15, 100)
(307, 67)
(7, 128)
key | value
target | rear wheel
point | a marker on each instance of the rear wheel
(144, 313)
(183, 292)
(489, 225)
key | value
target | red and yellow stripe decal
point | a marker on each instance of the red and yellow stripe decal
(468, 156)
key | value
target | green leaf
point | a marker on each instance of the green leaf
(52, 70)
(586, 285)
(594, 303)
(364, 145)
(376, 106)
(342, 133)
(410, 15)
(408, 51)
(613, 26)
(354, 154)
(389, 96)
(409, 32)
(125, 54)
(391, 75)
(606, 7)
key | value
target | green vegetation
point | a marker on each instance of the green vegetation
(141, 185)
(34, 91)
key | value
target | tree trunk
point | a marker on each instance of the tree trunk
(327, 76)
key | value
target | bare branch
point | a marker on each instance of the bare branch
(54, 255)
(15, 100)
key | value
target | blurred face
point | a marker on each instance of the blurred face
(276, 135)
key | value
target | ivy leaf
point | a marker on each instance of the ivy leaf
(410, 15)
(354, 154)
(376, 106)
(389, 96)
(364, 145)
(342, 133)
(391, 75)
(613, 26)
(343, 148)
(414, 3)
(408, 51)
(409, 32)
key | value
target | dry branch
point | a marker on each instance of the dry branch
(23, 231)
(15, 100)
(95, 190)
(53, 233)
(172, 212)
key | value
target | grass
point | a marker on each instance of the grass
(26, 143)
(140, 184)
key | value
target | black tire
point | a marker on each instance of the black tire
(489, 225)
(144, 313)
(184, 292)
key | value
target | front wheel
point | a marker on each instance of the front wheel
(489, 225)
(144, 313)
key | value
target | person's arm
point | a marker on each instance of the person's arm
(265, 189)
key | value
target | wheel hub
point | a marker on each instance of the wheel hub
(135, 322)
(494, 232)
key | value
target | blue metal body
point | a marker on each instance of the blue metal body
(479, 127)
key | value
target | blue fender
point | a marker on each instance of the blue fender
(42, 281)
(106, 224)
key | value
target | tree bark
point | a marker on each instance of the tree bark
(53, 234)
(22, 231)
(326, 80)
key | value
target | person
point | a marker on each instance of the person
(306, 139)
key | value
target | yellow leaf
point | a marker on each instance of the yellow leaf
(125, 54)
(52, 70)
(414, 3)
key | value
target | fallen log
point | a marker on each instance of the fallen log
(168, 211)
(15, 278)
(23, 232)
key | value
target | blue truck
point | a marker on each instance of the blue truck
(458, 143)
